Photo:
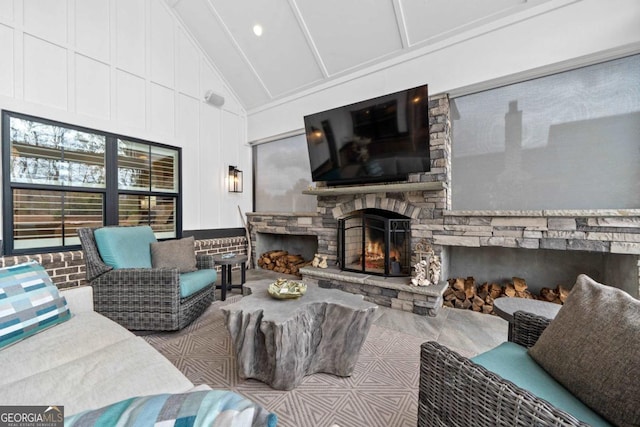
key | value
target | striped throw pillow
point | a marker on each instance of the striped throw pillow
(29, 302)
(195, 409)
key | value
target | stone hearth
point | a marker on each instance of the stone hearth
(391, 292)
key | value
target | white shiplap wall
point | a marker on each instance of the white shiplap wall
(128, 67)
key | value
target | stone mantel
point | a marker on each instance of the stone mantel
(377, 188)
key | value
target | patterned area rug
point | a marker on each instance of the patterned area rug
(383, 390)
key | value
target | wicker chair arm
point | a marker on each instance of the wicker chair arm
(94, 264)
(454, 391)
(527, 328)
(130, 289)
(205, 261)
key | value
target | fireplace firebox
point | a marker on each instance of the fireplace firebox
(375, 241)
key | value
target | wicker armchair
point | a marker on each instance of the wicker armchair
(142, 298)
(455, 391)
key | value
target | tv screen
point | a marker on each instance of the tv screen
(381, 139)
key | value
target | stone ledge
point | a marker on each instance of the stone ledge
(285, 214)
(392, 292)
(547, 213)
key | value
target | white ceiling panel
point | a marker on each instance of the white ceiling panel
(306, 43)
(350, 33)
(431, 20)
(204, 25)
(281, 55)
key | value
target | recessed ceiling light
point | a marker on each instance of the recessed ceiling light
(257, 30)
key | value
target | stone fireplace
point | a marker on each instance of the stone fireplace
(375, 241)
(602, 243)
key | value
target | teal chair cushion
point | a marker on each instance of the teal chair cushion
(125, 247)
(511, 362)
(192, 282)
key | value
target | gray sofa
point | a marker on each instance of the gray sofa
(84, 363)
(103, 375)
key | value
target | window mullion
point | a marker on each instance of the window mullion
(111, 196)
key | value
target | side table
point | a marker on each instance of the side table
(226, 264)
(505, 307)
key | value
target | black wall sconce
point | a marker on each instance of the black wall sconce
(235, 180)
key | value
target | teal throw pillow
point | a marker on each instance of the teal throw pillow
(29, 302)
(198, 408)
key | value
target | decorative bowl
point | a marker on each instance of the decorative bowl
(286, 289)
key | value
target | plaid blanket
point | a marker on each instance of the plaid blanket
(201, 408)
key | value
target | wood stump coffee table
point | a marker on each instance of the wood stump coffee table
(279, 342)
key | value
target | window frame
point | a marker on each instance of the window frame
(110, 192)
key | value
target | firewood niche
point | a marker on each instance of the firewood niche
(283, 262)
(467, 294)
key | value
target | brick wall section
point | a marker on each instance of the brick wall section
(67, 269)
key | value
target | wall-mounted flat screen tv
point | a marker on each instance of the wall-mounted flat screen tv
(378, 140)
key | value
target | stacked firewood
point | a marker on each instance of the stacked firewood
(557, 295)
(282, 262)
(467, 294)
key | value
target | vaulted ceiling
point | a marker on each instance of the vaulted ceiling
(307, 43)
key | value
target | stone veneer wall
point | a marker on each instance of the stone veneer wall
(608, 231)
(423, 207)
(67, 269)
(600, 231)
(292, 223)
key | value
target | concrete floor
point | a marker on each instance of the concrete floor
(464, 331)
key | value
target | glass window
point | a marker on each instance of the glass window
(282, 173)
(45, 218)
(564, 141)
(42, 153)
(157, 211)
(58, 181)
(134, 167)
(148, 186)
(164, 170)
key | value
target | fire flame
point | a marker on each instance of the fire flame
(374, 251)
